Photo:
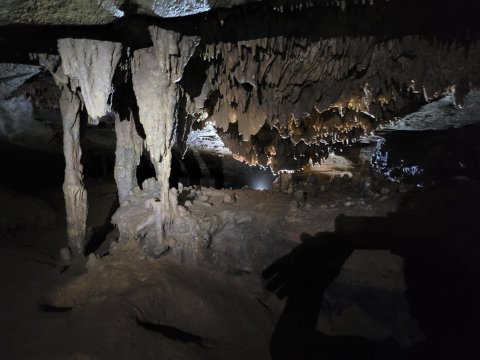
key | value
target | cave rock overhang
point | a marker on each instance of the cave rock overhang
(286, 98)
(101, 12)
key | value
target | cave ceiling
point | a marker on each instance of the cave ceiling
(282, 81)
(101, 12)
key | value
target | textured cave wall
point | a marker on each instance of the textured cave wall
(17, 117)
(95, 12)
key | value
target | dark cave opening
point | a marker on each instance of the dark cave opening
(145, 169)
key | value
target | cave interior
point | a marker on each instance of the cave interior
(178, 178)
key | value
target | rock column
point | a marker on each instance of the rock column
(85, 77)
(73, 188)
(127, 156)
(155, 75)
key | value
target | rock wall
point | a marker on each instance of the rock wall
(17, 118)
(88, 12)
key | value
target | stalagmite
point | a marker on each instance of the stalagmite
(90, 64)
(73, 188)
(155, 73)
(127, 156)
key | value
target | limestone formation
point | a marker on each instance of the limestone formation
(73, 188)
(190, 228)
(85, 76)
(155, 73)
(326, 91)
(90, 65)
(74, 191)
(127, 156)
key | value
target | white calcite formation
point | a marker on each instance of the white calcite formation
(273, 79)
(85, 78)
(90, 65)
(73, 187)
(127, 156)
(155, 73)
(325, 91)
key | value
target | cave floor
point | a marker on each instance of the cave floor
(132, 307)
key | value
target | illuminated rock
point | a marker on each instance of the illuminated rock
(155, 75)
(90, 65)
(73, 187)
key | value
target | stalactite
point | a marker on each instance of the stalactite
(127, 156)
(73, 188)
(341, 86)
(90, 64)
(155, 75)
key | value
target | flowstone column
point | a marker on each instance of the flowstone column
(155, 75)
(127, 156)
(88, 65)
(73, 189)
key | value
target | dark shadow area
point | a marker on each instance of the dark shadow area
(215, 167)
(98, 163)
(194, 172)
(323, 19)
(435, 158)
(21, 168)
(145, 169)
(100, 233)
(55, 309)
(176, 172)
(436, 233)
(172, 333)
